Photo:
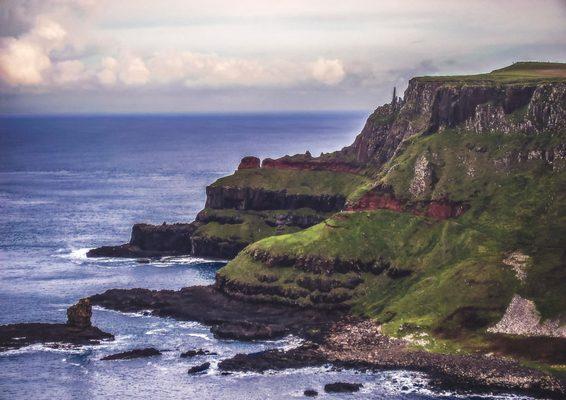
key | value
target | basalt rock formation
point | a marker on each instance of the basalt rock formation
(77, 331)
(131, 354)
(229, 317)
(78, 315)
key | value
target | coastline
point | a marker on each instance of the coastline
(343, 341)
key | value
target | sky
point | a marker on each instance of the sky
(183, 56)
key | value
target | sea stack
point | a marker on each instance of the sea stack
(78, 315)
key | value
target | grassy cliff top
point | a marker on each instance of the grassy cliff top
(518, 72)
(294, 182)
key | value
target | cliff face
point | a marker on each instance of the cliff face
(431, 106)
(259, 199)
(463, 172)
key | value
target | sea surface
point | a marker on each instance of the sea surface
(70, 183)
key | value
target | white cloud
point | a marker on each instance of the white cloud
(211, 70)
(133, 71)
(68, 72)
(329, 72)
(107, 76)
(48, 30)
(22, 62)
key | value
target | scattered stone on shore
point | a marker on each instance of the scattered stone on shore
(143, 260)
(310, 393)
(77, 331)
(342, 387)
(197, 352)
(136, 353)
(199, 368)
(357, 343)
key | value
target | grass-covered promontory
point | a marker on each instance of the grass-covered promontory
(457, 210)
(294, 181)
(519, 72)
(455, 280)
(250, 225)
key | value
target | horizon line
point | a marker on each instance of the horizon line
(183, 113)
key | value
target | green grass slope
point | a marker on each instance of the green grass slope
(294, 181)
(458, 280)
(516, 73)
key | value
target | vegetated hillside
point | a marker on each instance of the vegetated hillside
(458, 227)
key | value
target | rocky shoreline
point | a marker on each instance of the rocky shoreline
(330, 338)
(358, 344)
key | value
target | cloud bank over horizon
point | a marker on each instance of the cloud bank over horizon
(59, 56)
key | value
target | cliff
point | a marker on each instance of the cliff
(449, 205)
(464, 214)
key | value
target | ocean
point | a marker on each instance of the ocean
(71, 183)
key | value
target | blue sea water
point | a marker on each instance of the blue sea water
(70, 183)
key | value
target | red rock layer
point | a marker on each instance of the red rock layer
(438, 209)
(249, 162)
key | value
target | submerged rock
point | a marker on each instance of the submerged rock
(197, 352)
(342, 387)
(300, 357)
(199, 368)
(136, 353)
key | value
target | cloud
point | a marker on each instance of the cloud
(133, 71)
(329, 72)
(22, 62)
(211, 70)
(69, 72)
(108, 75)
(324, 52)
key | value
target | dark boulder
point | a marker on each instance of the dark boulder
(136, 353)
(197, 352)
(310, 393)
(199, 368)
(342, 387)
